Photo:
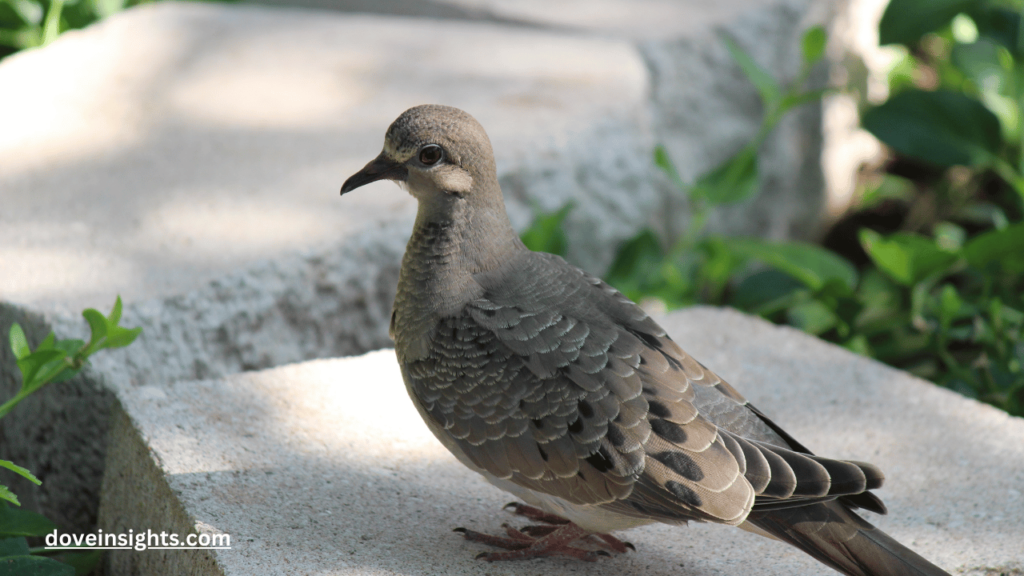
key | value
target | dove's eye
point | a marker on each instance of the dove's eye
(430, 154)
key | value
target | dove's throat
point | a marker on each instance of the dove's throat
(449, 245)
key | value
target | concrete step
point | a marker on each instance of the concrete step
(188, 156)
(325, 467)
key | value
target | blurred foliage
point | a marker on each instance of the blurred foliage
(927, 273)
(34, 23)
(546, 234)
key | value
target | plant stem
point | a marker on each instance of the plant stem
(7, 406)
(51, 27)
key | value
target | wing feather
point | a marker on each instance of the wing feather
(557, 382)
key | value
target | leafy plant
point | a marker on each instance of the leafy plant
(933, 282)
(545, 234)
(52, 361)
(953, 265)
(34, 23)
(693, 268)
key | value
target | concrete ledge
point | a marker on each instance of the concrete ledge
(325, 467)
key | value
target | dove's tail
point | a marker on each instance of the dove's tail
(834, 535)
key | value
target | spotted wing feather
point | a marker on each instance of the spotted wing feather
(555, 381)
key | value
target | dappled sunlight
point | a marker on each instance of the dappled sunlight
(34, 273)
(219, 226)
(236, 91)
(278, 415)
(367, 417)
(88, 98)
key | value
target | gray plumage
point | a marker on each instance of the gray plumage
(555, 387)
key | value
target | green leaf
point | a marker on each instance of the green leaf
(949, 306)
(28, 11)
(545, 234)
(813, 44)
(97, 327)
(115, 314)
(18, 522)
(905, 21)
(905, 257)
(735, 180)
(31, 365)
(1002, 25)
(34, 566)
(635, 262)
(20, 471)
(812, 265)
(859, 345)
(765, 83)
(120, 337)
(106, 8)
(69, 346)
(760, 291)
(812, 317)
(716, 268)
(662, 160)
(65, 375)
(980, 62)
(83, 562)
(48, 342)
(6, 494)
(59, 370)
(19, 344)
(949, 236)
(1002, 247)
(16, 546)
(941, 128)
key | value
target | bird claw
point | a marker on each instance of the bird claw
(541, 540)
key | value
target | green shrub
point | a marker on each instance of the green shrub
(52, 361)
(939, 295)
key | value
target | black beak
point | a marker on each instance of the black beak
(380, 168)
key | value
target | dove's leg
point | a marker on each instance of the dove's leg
(524, 547)
(550, 539)
(534, 513)
(605, 540)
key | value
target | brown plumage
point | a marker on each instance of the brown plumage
(557, 388)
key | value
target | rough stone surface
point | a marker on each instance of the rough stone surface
(313, 306)
(325, 467)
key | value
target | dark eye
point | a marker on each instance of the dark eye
(430, 154)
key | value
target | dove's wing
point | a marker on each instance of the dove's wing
(557, 382)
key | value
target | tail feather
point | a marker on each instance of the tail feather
(835, 536)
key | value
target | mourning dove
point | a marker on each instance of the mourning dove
(560, 390)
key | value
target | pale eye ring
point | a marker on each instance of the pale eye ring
(430, 154)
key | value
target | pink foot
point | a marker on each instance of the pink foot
(553, 539)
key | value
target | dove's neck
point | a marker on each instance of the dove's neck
(449, 245)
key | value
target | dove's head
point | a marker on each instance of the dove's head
(440, 153)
